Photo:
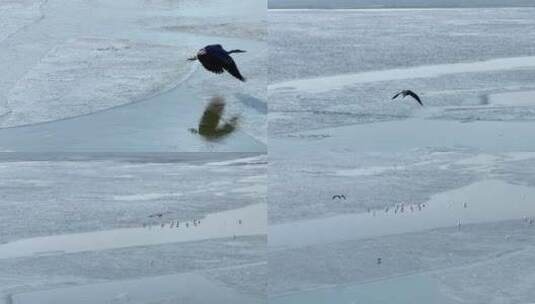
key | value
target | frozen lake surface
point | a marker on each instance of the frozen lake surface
(239, 222)
(102, 225)
(364, 57)
(73, 60)
(403, 290)
(487, 201)
(188, 288)
(375, 201)
(158, 125)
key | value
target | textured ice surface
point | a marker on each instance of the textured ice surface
(83, 56)
(348, 64)
(72, 196)
(371, 40)
(87, 75)
(250, 28)
(88, 193)
(335, 131)
(181, 288)
(426, 251)
(215, 259)
(371, 4)
(304, 181)
(15, 15)
(302, 187)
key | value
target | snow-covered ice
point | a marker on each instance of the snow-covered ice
(90, 224)
(15, 15)
(438, 199)
(328, 83)
(363, 57)
(82, 57)
(526, 98)
(83, 76)
(245, 221)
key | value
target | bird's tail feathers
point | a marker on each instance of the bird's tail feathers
(236, 51)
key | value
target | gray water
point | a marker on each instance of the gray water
(402, 290)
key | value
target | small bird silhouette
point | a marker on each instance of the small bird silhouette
(216, 59)
(339, 196)
(410, 93)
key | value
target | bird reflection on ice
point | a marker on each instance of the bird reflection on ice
(209, 125)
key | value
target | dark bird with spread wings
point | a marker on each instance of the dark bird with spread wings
(210, 127)
(217, 60)
(410, 93)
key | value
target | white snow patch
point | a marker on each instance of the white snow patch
(146, 196)
(328, 83)
(246, 160)
(369, 171)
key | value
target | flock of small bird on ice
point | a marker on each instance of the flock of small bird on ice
(175, 223)
(402, 207)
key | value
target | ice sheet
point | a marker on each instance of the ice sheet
(328, 83)
(247, 221)
(164, 289)
(522, 98)
(87, 75)
(487, 201)
(15, 15)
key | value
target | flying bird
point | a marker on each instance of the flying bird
(217, 60)
(210, 127)
(410, 93)
(341, 196)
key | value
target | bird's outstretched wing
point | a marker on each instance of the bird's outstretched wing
(413, 95)
(396, 96)
(230, 66)
(224, 60)
(212, 64)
